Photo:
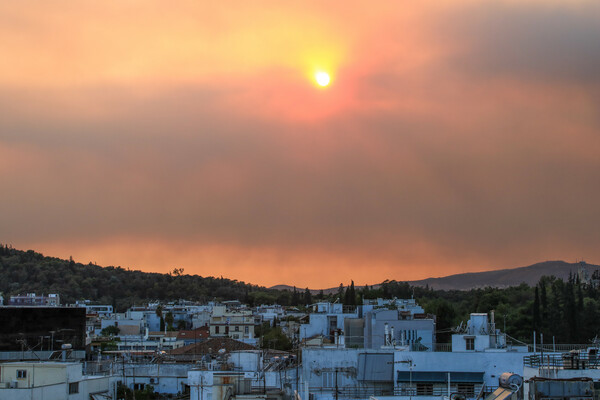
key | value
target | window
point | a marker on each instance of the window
(424, 389)
(246, 330)
(217, 329)
(237, 329)
(470, 343)
(227, 330)
(21, 374)
(73, 387)
(138, 386)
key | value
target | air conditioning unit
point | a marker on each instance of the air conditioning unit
(14, 384)
(154, 381)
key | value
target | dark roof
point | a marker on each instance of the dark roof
(198, 333)
(212, 346)
(439, 376)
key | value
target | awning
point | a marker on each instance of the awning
(376, 367)
(440, 376)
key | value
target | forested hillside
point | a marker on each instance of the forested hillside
(28, 271)
(565, 309)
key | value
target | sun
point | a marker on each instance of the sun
(322, 78)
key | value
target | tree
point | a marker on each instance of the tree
(544, 302)
(340, 293)
(307, 297)
(275, 339)
(169, 321)
(111, 330)
(352, 294)
(347, 296)
(295, 297)
(536, 311)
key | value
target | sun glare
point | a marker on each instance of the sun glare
(322, 78)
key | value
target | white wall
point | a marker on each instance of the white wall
(492, 364)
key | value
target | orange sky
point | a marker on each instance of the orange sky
(455, 136)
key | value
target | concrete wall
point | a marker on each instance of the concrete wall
(40, 374)
(207, 385)
(319, 324)
(413, 329)
(246, 360)
(492, 364)
(165, 378)
(60, 391)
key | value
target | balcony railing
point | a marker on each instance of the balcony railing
(571, 360)
(551, 348)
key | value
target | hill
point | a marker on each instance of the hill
(501, 278)
(506, 277)
(32, 272)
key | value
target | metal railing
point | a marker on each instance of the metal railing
(550, 348)
(442, 347)
(571, 360)
(365, 392)
(354, 392)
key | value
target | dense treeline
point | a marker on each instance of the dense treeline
(27, 272)
(566, 310)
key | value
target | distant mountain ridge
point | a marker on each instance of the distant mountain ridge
(501, 278)
(507, 277)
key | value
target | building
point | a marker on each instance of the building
(233, 323)
(151, 342)
(52, 380)
(326, 320)
(393, 326)
(166, 379)
(412, 371)
(194, 335)
(31, 299)
(35, 332)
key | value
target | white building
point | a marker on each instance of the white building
(151, 341)
(52, 380)
(169, 379)
(327, 320)
(232, 323)
(402, 373)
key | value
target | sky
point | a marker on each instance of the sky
(455, 136)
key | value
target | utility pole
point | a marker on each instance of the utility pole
(201, 387)
(298, 361)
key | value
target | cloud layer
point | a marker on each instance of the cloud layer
(456, 136)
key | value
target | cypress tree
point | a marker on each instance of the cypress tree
(544, 302)
(341, 293)
(571, 312)
(352, 294)
(347, 296)
(307, 297)
(536, 311)
(295, 297)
